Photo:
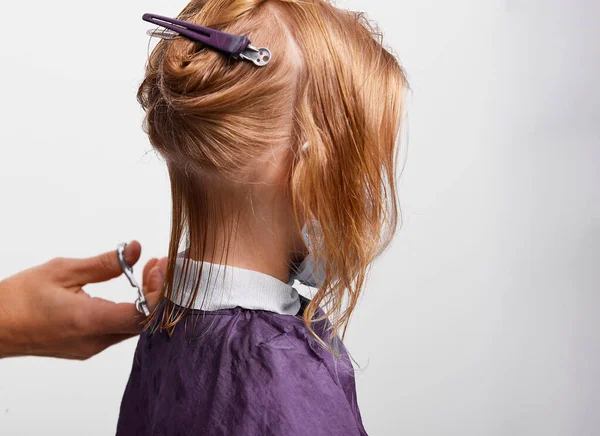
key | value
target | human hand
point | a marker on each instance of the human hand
(44, 310)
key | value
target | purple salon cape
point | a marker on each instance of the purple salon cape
(240, 371)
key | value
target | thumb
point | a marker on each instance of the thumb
(104, 266)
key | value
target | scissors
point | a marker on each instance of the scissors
(140, 304)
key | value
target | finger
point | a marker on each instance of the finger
(81, 292)
(107, 317)
(104, 342)
(147, 268)
(92, 346)
(158, 270)
(153, 287)
(162, 264)
(103, 267)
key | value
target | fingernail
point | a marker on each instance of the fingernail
(156, 271)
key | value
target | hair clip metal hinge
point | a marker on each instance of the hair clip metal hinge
(258, 56)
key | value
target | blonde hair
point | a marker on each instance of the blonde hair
(331, 83)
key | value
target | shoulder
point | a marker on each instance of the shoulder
(289, 386)
(263, 372)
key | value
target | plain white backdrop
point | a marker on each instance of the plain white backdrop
(481, 319)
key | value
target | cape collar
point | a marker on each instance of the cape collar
(227, 287)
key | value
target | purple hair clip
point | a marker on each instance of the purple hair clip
(237, 46)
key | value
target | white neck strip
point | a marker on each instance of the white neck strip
(227, 287)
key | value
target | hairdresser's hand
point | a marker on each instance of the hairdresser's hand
(45, 312)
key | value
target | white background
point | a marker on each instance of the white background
(482, 317)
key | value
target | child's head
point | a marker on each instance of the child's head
(226, 127)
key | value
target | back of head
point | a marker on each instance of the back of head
(330, 84)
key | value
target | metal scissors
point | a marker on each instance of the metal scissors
(140, 304)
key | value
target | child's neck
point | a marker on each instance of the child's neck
(265, 240)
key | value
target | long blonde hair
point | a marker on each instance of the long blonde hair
(331, 83)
